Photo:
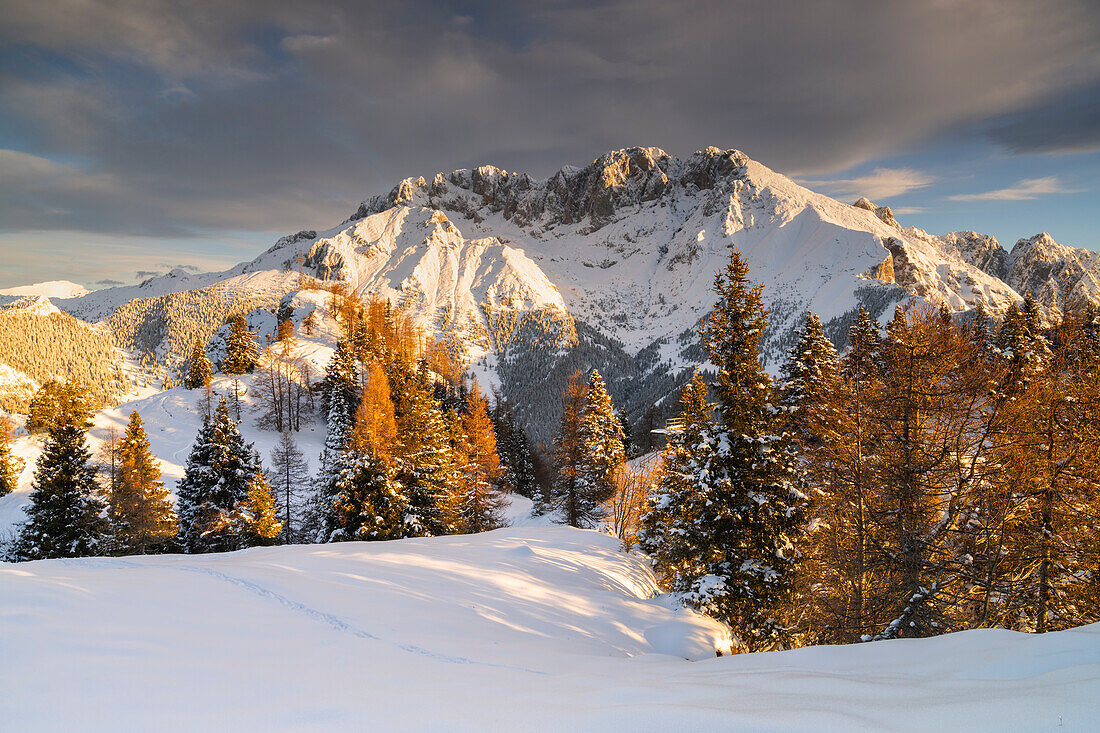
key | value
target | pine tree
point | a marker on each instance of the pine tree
(807, 375)
(259, 521)
(341, 381)
(514, 449)
(214, 485)
(324, 486)
(289, 472)
(199, 371)
(142, 517)
(425, 467)
(9, 476)
(601, 454)
(66, 516)
(241, 350)
(739, 534)
(670, 530)
(481, 505)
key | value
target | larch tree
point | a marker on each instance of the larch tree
(66, 516)
(475, 447)
(369, 503)
(142, 517)
(933, 428)
(9, 475)
(289, 475)
(834, 577)
(1051, 531)
(57, 402)
(566, 490)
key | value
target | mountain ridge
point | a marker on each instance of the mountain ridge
(609, 266)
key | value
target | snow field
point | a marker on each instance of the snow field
(533, 628)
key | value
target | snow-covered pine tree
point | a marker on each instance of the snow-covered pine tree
(671, 532)
(66, 517)
(214, 484)
(289, 475)
(342, 378)
(259, 521)
(142, 517)
(806, 377)
(340, 399)
(601, 443)
(9, 477)
(193, 490)
(241, 350)
(744, 532)
(199, 369)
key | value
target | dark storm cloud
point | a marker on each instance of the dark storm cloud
(154, 118)
(1069, 123)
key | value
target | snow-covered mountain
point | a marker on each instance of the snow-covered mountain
(610, 266)
(50, 289)
(1055, 274)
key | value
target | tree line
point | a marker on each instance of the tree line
(939, 475)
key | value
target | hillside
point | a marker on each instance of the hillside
(38, 342)
(540, 629)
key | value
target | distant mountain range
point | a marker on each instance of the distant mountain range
(611, 266)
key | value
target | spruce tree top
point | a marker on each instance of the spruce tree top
(811, 365)
(732, 336)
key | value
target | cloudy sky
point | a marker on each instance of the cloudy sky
(139, 135)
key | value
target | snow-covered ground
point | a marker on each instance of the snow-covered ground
(534, 628)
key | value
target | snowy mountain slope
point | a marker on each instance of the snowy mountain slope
(534, 629)
(607, 266)
(49, 289)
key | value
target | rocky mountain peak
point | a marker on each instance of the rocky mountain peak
(617, 179)
(981, 250)
(1053, 273)
(882, 212)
